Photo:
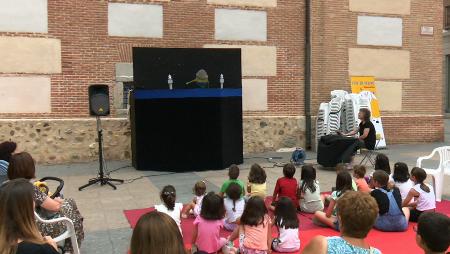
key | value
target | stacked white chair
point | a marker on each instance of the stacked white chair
(351, 112)
(334, 123)
(322, 120)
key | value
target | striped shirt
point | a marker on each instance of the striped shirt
(3, 167)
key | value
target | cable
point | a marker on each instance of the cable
(127, 181)
(117, 169)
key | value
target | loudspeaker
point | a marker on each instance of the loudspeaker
(99, 100)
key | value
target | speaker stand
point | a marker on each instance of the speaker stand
(101, 178)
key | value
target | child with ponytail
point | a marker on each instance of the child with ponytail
(423, 194)
(234, 206)
(169, 207)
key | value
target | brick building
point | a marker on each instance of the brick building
(52, 50)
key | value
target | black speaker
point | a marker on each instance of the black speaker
(99, 100)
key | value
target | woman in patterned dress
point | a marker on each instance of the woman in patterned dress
(22, 165)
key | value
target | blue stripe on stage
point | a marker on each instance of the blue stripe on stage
(187, 93)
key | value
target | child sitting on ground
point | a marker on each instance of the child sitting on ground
(233, 173)
(342, 167)
(195, 206)
(254, 231)
(382, 163)
(359, 172)
(402, 179)
(329, 219)
(287, 223)
(256, 185)
(392, 218)
(286, 186)
(234, 206)
(207, 226)
(423, 194)
(339, 168)
(433, 233)
(309, 191)
(169, 207)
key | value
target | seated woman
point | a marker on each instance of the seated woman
(6, 150)
(22, 166)
(357, 212)
(18, 231)
(367, 137)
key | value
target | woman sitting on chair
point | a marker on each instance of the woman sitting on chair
(366, 130)
(18, 231)
(22, 165)
(367, 137)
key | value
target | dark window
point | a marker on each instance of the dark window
(127, 86)
(447, 18)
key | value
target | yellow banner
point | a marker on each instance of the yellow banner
(366, 83)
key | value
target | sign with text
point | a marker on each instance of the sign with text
(366, 88)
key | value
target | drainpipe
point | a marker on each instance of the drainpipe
(307, 93)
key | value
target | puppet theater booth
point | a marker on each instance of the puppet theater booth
(186, 109)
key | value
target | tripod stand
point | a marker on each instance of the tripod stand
(101, 178)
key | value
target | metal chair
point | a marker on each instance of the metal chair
(369, 154)
(438, 173)
(69, 233)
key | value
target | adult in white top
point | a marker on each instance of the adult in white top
(423, 194)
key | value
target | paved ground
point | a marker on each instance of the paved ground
(107, 230)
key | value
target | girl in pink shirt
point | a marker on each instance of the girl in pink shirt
(254, 232)
(207, 226)
(287, 223)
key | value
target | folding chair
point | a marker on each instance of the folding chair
(369, 154)
(69, 233)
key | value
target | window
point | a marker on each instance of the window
(127, 87)
(447, 17)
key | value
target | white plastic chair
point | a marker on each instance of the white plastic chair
(438, 173)
(69, 233)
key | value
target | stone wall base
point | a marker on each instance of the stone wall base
(68, 140)
(54, 141)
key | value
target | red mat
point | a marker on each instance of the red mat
(392, 242)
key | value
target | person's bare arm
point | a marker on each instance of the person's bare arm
(318, 245)
(51, 204)
(411, 194)
(194, 234)
(330, 208)
(365, 134)
(235, 234)
(269, 238)
(353, 132)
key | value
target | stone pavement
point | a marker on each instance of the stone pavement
(107, 230)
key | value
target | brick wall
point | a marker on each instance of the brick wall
(89, 56)
(334, 32)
